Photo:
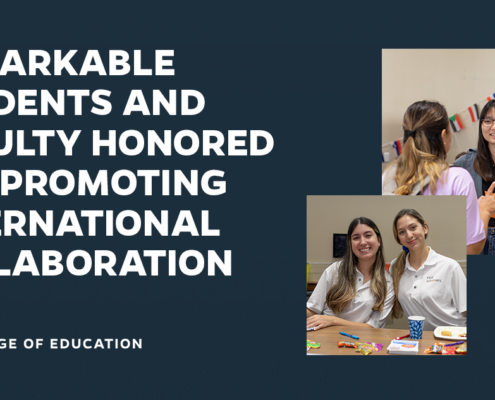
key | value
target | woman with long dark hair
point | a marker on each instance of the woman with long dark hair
(425, 282)
(422, 169)
(356, 291)
(480, 163)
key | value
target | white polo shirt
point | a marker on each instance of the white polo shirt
(436, 291)
(360, 307)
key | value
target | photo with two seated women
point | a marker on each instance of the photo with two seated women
(405, 256)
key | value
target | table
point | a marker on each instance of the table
(328, 337)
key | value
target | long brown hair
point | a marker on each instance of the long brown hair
(423, 151)
(400, 263)
(344, 289)
(484, 161)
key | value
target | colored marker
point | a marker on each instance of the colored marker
(311, 329)
(453, 344)
(402, 337)
(351, 336)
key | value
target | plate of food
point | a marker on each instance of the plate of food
(451, 332)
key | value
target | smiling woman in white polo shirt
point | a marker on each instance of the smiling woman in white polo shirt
(356, 291)
(427, 284)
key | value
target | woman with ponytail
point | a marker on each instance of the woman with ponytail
(426, 283)
(422, 169)
(356, 291)
(480, 164)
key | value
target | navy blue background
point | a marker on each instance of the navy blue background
(312, 78)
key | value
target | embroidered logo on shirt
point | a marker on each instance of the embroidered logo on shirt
(431, 279)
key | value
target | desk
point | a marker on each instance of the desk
(328, 337)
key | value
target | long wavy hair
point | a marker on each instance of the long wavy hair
(400, 264)
(423, 150)
(344, 289)
(484, 161)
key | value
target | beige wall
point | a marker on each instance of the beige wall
(455, 78)
(326, 215)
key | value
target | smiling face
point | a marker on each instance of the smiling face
(365, 243)
(489, 133)
(411, 233)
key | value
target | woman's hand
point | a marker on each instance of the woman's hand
(487, 203)
(320, 321)
(487, 209)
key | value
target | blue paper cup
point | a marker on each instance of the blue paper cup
(416, 327)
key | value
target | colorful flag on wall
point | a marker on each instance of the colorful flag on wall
(473, 111)
(397, 147)
(455, 123)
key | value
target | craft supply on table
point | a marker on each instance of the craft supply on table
(447, 348)
(402, 337)
(403, 347)
(369, 347)
(311, 329)
(455, 344)
(377, 346)
(363, 348)
(462, 349)
(436, 348)
(351, 336)
(312, 344)
(347, 344)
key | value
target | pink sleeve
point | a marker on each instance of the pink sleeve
(462, 184)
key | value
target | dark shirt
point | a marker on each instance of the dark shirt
(485, 186)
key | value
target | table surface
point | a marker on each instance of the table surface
(328, 337)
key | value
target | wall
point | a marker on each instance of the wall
(326, 215)
(456, 78)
